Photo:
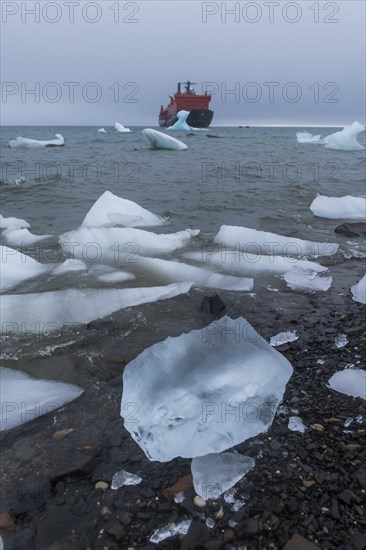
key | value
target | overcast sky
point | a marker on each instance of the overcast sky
(95, 63)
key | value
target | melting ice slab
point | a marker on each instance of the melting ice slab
(158, 140)
(181, 123)
(17, 267)
(12, 223)
(359, 291)
(120, 128)
(204, 391)
(21, 394)
(345, 139)
(27, 142)
(349, 381)
(346, 207)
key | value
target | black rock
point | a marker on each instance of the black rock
(357, 229)
(213, 304)
(197, 534)
(117, 531)
(347, 496)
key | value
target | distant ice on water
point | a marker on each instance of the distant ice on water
(121, 129)
(159, 140)
(27, 142)
(345, 139)
(182, 125)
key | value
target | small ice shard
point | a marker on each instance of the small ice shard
(347, 207)
(159, 140)
(349, 381)
(283, 338)
(203, 391)
(12, 223)
(295, 424)
(122, 245)
(102, 131)
(345, 139)
(120, 128)
(306, 137)
(170, 530)
(69, 265)
(303, 280)
(49, 311)
(348, 422)
(359, 291)
(26, 142)
(110, 210)
(181, 123)
(320, 361)
(22, 236)
(261, 242)
(216, 473)
(122, 478)
(210, 522)
(24, 398)
(17, 267)
(116, 277)
(341, 341)
(179, 497)
(229, 498)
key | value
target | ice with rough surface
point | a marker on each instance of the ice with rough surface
(23, 236)
(52, 310)
(216, 473)
(180, 385)
(120, 128)
(303, 280)
(349, 381)
(181, 123)
(159, 140)
(345, 139)
(110, 210)
(17, 267)
(122, 245)
(283, 338)
(170, 530)
(295, 424)
(359, 291)
(122, 478)
(12, 223)
(347, 207)
(261, 242)
(27, 142)
(19, 393)
(341, 341)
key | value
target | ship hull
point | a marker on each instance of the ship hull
(199, 118)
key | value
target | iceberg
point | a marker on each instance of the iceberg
(17, 267)
(24, 398)
(110, 210)
(117, 245)
(102, 131)
(12, 223)
(261, 242)
(306, 280)
(158, 140)
(346, 207)
(215, 474)
(120, 128)
(204, 391)
(359, 291)
(349, 381)
(306, 137)
(182, 125)
(22, 236)
(49, 311)
(345, 139)
(27, 142)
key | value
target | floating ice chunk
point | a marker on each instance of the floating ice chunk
(341, 341)
(122, 245)
(158, 140)
(116, 277)
(306, 137)
(110, 210)
(359, 291)
(17, 267)
(22, 236)
(349, 381)
(216, 473)
(68, 265)
(295, 424)
(345, 139)
(261, 242)
(176, 271)
(19, 393)
(26, 142)
(170, 530)
(181, 123)
(346, 207)
(122, 478)
(102, 131)
(12, 223)
(120, 128)
(306, 280)
(180, 385)
(52, 310)
(251, 264)
(283, 338)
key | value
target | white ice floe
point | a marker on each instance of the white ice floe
(261, 242)
(120, 128)
(49, 311)
(345, 139)
(182, 125)
(27, 142)
(102, 131)
(204, 391)
(349, 381)
(24, 398)
(122, 478)
(12, 223)
(17, 267)
(170, 530)
(171, 271)
(306, 280)
(121, 246)
(216, 473)
(22, 236)
(69, 265)
(340, 341)
(116, 277)
(283, 338)
(359, 291)
(346, 207)
(295, 424)
(110, 210)
(159, 140)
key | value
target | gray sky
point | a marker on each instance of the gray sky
(284, 62)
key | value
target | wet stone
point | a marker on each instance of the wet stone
(117, 531)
